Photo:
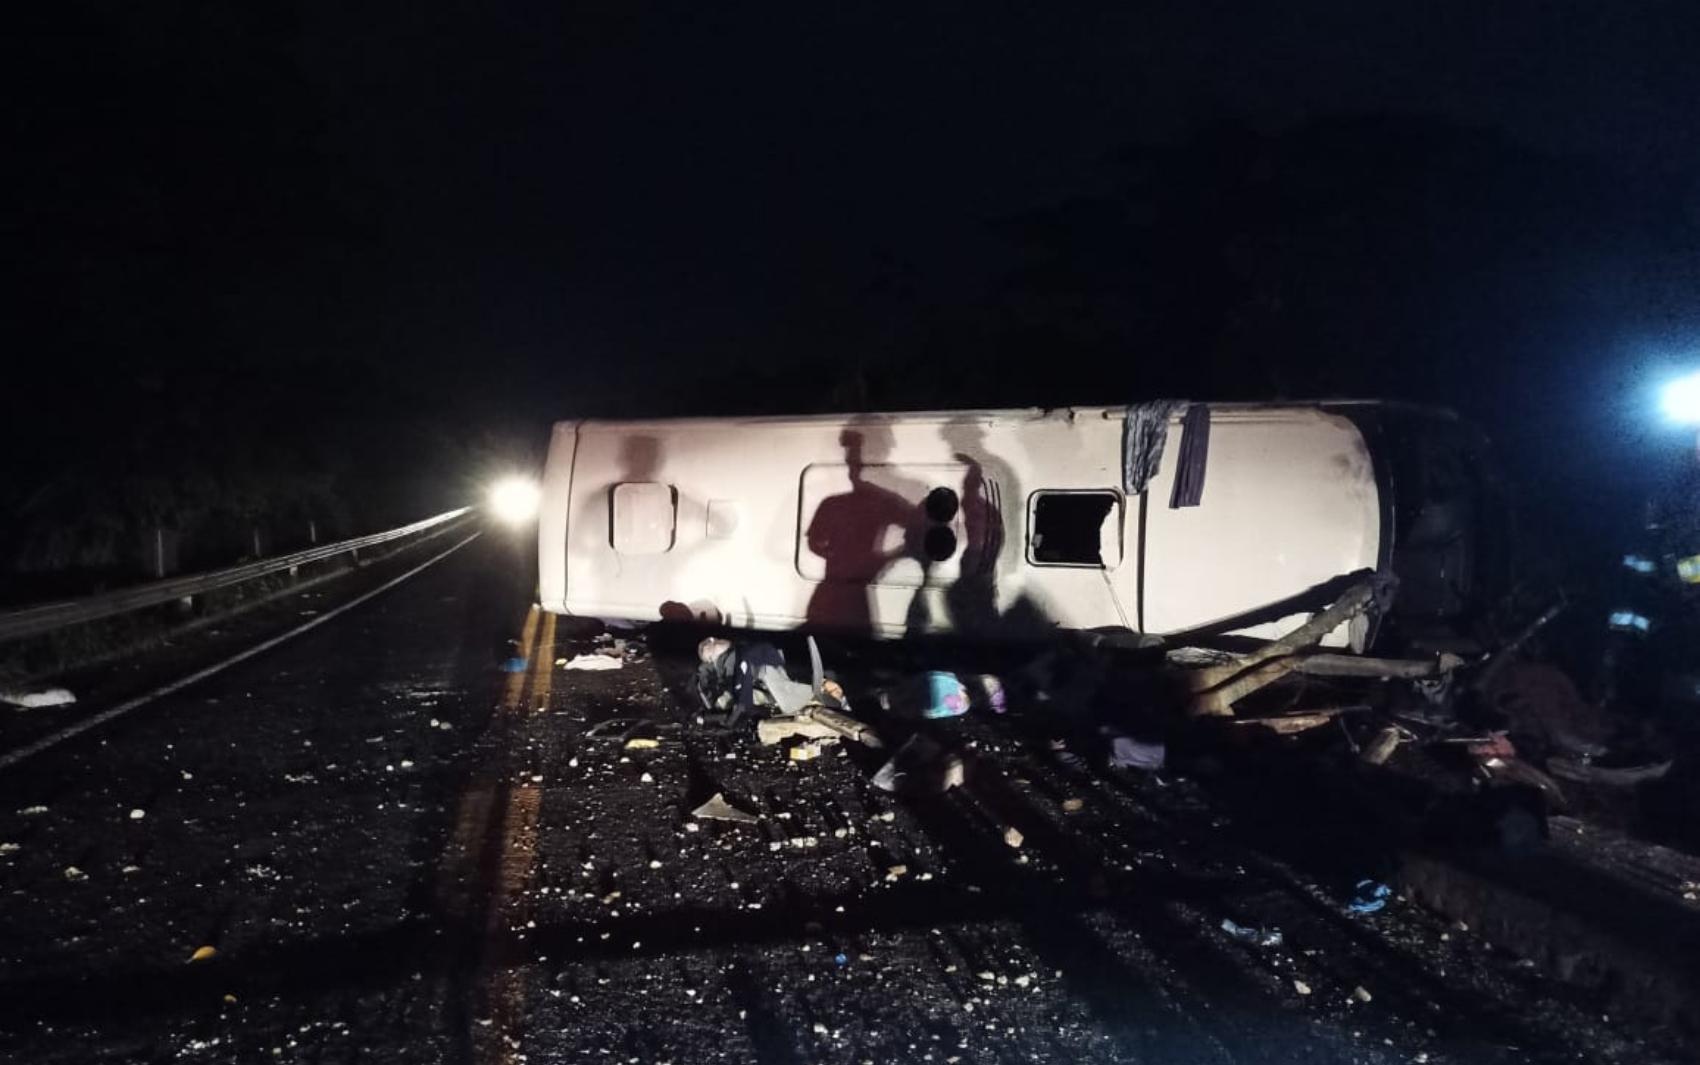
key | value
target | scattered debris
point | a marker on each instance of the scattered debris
(1129, 753)
(75, 875)
(38, 700)
(204, 954)
(847, 726)
(1256, 936)
(1073, 806)
(1496, 745)
(1518, 771)
(986, 692)
(1301, 987)
(1369, 896)
(931, 696)
(9, 848)
(774, 730)
(1216, 688)
(1012, 837)
(1291, 724)
(718, 809)
(593, 663)
(1361, 994)
(1338, 665)
(32, 811)
(138, 814)
(896, 872)
(1609, 776)
(642, 743)
(1546, 710)
(516, 664)
(1382, 745)
(920, 766)
(809, 750)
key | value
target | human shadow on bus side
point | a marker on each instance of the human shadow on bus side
(972, 599)
(853, 532)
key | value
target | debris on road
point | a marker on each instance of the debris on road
(772, 730)
(38, 700)
(593, 663)
(1608, 776)
(718, 809)
(1304, 721)
(203, 954)
(75, 875)
(1259, 937)
(809, 750)
(1382, 745)
(848, 727)
(1129, 753)
(986, 692)
(1301, 987)
(1215, 689)
(1368, 896)
(929, 697)
(1361, 994)
(921, 766)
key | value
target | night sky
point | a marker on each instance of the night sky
(335, 222)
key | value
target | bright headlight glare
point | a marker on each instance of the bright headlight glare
(514, 500)
(1680, 400)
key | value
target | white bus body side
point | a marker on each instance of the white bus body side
(780, 523)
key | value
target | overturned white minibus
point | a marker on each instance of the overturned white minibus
(1160, 518)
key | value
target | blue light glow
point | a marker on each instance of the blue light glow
(1680, 400)
(1628, 621)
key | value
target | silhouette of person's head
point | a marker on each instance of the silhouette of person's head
(967, 439)
(640, 458)
(865, 444)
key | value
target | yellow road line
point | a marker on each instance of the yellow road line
(515, 686)
(518, 865)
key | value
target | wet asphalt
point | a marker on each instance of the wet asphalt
(382, 847)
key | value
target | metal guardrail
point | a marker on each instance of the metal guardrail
(35, 620)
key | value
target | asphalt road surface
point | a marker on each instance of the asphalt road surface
(397, 852)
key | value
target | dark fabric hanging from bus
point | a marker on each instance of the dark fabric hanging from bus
(1194, 454)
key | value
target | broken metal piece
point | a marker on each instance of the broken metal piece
(846, 726)
(718, 809)
(774, 730)
(921, 766)
(1336, 665)
(1292, 724)
(1619, 777)
(1382, 745)
(1217, 688)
